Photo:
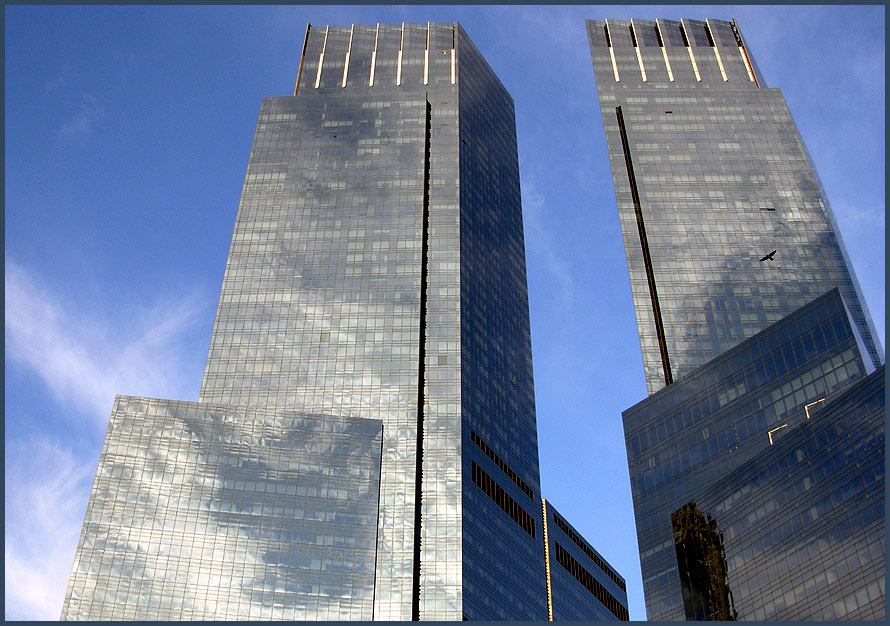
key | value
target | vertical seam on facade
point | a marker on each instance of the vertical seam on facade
(453, 73)
(667, 64)
(633, 31)
(399, 60)
(321, 56)
(374, 56)
(689, 50)
(720, 63)
(644, 244)
(547, 561)
(614, 65)
(348, 51)
(426, 57)
(611, 52)
(418, 474)
(302, 58)
(743, 51)
(664, 53)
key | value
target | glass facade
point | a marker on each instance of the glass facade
(812, 506)
(209, 512)
(581, 585)
(376, 274)
(733, 477)
(726, 226)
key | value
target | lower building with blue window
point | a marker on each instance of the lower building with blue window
(758, 478)
(581, 585)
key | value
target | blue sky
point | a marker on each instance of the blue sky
(127, 136)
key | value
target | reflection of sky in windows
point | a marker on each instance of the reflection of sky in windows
(702, 428)
(708, 156)
(212, 512)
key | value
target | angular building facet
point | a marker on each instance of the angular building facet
(376, 276)
(725, 223)
(750, 318)
(738, 482)
(213, 512)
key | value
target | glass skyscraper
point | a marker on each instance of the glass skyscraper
(725, 223)
(374, 296)
(753, 499)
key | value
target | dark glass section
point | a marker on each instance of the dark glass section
(503, 566)
(500, 463)
(590, 583)
(701, 560)
(512, 508)
(804, 520)
(564, 527)
(690, 441)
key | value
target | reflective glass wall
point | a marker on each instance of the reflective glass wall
(725, 223)
(687, 445)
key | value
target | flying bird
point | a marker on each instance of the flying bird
(769, 257)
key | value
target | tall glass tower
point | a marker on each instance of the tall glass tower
(370, 363)
(726, 226)
(756, 462)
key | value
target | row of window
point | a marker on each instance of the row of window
(586, 549)
(501, 464)
(503, 499)
(590, 583)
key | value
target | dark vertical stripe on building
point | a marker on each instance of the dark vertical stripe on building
(302, 57)
(644, 244)
(424, 259)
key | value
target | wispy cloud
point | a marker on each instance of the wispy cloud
(44, 511)
(542, 243)
(83, 359)
(89, 112)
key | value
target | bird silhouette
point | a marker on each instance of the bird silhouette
(769, 257)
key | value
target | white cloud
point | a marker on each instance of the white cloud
(85, 360)
(541, 243)
(87, 115)
(45, 489)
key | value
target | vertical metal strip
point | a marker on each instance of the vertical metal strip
(611, 51)
(374, 57)
(302, 58)
(644, 244)
(426, 57)
(399, 61)
(689, 50)
(640, 61)
(636, 42)
(547, 561)
(743, 50)
(664, 53)
(421, 398)
(321, 56)
(453, 63)
(667, 64)
(348, 51)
